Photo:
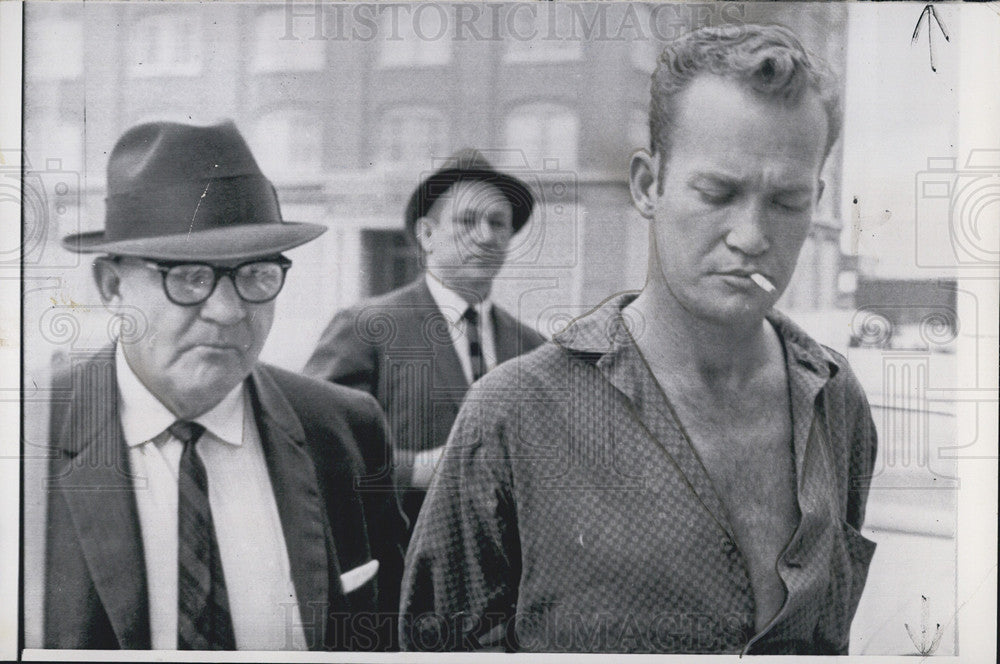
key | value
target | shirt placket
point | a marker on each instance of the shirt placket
(813, 478)
(625, 368)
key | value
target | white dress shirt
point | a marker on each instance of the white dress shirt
(453, 306)
(262, 598)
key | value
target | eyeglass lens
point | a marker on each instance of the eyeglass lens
(254, 282)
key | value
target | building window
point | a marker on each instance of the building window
(412, 137)
(288, 145)
(166, 45)
(67, 146)
(275, 48)
(415, 35)
(46, 39)
(543, 133)
(543, 33)
(56, 145)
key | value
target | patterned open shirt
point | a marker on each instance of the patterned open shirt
(569, 513)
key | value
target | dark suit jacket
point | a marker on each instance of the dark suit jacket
(397, 347)
(329, 462)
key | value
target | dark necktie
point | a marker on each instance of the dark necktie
(475, 347)
(203, 620)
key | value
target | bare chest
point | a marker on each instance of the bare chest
(745, 444)
(744, 441)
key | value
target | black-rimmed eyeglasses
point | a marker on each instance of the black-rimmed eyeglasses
(256, 281)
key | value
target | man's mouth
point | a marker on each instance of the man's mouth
(760, 279)
(217, 346)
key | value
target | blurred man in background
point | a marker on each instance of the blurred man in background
(200, 500)
(682, 470)
(420, 347)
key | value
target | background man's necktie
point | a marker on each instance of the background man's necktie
(475, 346)
(203, 619)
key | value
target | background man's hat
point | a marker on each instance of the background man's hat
(183, 192)
(468, 164)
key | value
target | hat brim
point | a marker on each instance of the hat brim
(516, 192)
(229, 243)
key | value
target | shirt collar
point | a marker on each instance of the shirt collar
(600, 330)
(805, 350)
(143, 416)
(451, 304)
(603, 330)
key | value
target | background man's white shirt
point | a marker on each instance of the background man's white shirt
(453, 306)
(262, 598)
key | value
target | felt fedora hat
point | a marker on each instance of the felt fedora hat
(185, 192)
(468, 164)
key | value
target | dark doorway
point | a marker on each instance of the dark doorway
(388, 260)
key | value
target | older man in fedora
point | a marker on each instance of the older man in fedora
(420, 347)
(199, 499)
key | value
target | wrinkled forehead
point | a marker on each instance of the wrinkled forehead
(471, 196)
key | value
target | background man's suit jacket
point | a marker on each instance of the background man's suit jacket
(330, 466)
(397, 346)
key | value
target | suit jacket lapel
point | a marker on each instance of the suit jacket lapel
(96, 483)
(447, 368)
(308, 537)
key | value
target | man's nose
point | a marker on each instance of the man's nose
(749, 231)
(224, 306)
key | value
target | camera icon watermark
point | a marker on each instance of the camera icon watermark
(50, 203)
(550, 239)
(958, 212)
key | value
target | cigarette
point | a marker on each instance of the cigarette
(763, 282)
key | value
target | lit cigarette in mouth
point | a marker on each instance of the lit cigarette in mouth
(763, 282)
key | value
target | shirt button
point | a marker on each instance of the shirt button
(728, 546)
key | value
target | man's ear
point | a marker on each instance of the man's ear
(423, 229)
(643, 181)
(107, 276)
